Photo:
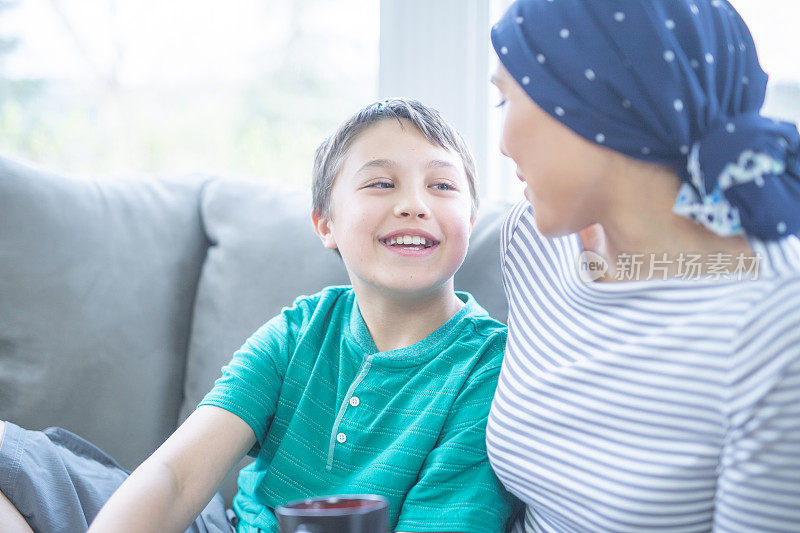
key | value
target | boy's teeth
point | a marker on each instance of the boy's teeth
(407, 240)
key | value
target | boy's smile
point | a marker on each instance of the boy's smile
(411, 242)
(400, 211)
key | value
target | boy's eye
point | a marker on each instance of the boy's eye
(381, 185)
(443, 186)
(501, 103)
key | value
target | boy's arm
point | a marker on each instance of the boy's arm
(457, 489)
(168, 490)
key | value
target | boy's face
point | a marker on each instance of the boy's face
(393, 186)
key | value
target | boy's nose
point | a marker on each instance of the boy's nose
(413, 208)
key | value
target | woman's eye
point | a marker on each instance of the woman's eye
(444, 187)
(382, 185)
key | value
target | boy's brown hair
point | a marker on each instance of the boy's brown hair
(332, 152)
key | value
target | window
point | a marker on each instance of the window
(773, 24)
(251, 88)
(247, 88)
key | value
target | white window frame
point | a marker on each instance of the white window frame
(438, 52)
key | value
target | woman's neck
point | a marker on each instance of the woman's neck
(638, 231)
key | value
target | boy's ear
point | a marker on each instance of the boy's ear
(322, 225)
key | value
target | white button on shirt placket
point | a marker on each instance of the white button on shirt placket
(352, 401)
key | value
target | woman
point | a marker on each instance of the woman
(652, 374)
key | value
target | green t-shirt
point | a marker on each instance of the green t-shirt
(332, 415)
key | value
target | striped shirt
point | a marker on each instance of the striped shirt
(660, 405)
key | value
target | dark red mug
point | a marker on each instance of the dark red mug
(343, 513)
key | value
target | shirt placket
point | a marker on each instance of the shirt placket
(339, 438)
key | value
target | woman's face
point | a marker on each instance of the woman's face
(565, 174)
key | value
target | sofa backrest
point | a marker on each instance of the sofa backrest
(97, 284)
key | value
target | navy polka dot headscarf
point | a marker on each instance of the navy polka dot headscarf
(669, 81)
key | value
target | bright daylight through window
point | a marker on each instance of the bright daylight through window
(104, 87)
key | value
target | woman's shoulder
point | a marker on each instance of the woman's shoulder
(769, 331)
(776, 300)
(521, 233)
(510, 223)
(530, 259)
(778, 259)
(518, 211)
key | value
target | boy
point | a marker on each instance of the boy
(379, 387)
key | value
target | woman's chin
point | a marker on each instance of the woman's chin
(551, 227)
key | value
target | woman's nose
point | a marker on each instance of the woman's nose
(503, 148)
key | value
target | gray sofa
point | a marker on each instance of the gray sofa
(121, 299)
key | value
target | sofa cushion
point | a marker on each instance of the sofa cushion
(97, 283)
(263, 253)
(481, 274)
